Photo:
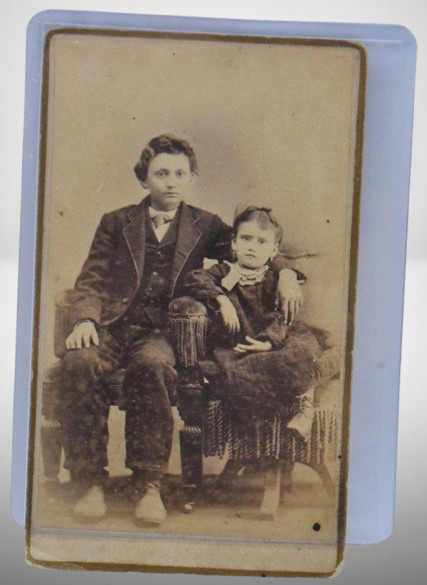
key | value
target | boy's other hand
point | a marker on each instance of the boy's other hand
(253, 345)
(290, 295)
(228, 313)
(84, 334)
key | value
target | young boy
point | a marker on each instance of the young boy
(136, 265)
(264, 362)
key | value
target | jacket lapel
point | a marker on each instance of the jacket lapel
(134, 234)
(187, 239)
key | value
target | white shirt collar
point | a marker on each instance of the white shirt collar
(169, 214)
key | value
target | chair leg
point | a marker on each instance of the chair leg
(190, 407)
(286, 480)
(229, 473)
(323, 472)
(271, 498)
(190, 438)
(51, 450)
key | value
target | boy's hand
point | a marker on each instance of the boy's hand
(290, 295)
(228, 313)
(254, 345)
(84, 334)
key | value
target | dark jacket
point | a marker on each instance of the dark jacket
(112, 272)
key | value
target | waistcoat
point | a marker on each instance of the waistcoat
(154, 290)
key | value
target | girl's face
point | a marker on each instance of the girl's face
(254, 245)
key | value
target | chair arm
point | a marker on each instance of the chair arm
(64, 321)
(187, 325)
(50, 398)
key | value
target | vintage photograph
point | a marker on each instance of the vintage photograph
(196, 281)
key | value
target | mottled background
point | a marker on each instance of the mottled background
(270, 125)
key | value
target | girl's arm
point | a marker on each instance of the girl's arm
(205, 285)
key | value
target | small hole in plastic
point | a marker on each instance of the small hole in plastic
(316, 527)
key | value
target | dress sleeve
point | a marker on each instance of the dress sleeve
(205, 285)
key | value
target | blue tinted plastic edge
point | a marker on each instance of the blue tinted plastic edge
(391, 54)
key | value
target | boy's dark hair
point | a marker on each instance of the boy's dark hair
(165, 143)
(263, 216)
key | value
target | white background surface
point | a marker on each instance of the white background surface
(398, 560)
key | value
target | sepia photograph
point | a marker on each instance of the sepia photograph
(195, 289)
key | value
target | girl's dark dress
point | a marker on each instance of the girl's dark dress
(253, 385)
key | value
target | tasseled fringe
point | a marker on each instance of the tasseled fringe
(270, 439)
(192, 430)
(189, 334)
(214, 439)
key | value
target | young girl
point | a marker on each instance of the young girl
(264, 363)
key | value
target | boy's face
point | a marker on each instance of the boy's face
(168, 179)
(253, 245)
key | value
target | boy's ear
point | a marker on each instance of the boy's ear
(233, 244)
(144, 184)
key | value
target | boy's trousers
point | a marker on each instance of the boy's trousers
(149, 384)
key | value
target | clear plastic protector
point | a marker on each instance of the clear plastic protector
(390, 56)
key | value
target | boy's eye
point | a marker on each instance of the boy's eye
(261, 241)
(160, 174)
(180, 173)
(246, 238)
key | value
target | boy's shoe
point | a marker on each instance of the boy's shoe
(150, 508)
(91, 506)
(303, 420)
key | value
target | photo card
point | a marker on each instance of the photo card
(195, 284)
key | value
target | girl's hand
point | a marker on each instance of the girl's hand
(289, 295)
(228, 314)
(254, 345)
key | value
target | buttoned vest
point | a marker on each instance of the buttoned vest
(155, 287)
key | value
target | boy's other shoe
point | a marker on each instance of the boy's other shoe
(91, 507)
(150, 508)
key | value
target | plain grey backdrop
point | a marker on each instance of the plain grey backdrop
(399, 559)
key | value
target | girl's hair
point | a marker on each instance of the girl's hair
(168, 144)
(264, 218)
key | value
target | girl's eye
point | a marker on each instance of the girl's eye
(160, 174)
(180, 173)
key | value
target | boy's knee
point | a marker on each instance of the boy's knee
(155, 356)
(152, 364)
(81, 362)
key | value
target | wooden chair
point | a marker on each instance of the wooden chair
(210, 431)
(207, 429)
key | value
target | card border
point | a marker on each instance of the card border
(378, 41)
